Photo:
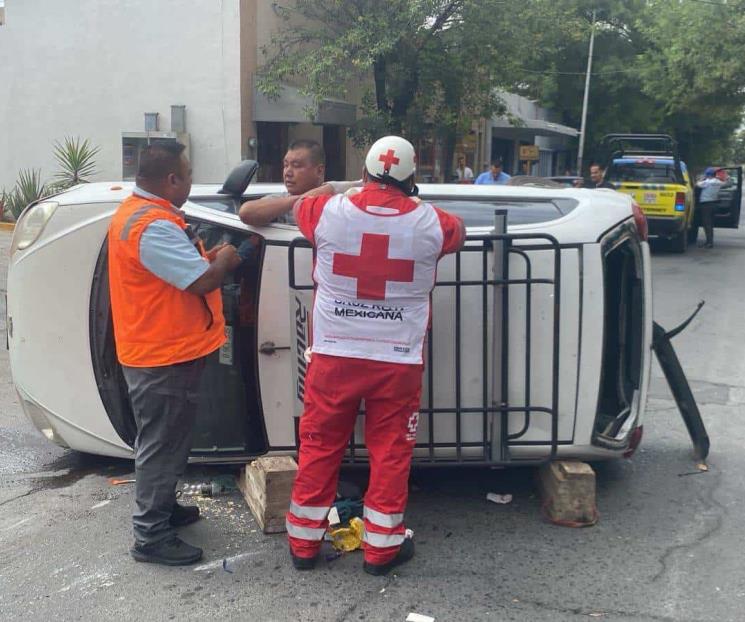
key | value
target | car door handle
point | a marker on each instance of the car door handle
(269, 348)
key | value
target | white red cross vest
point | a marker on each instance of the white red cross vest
(374, 271)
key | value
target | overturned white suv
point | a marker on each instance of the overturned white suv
(540, 344)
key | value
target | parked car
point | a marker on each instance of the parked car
(648, 168)
(539, 347)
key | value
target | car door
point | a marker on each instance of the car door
(729, 202)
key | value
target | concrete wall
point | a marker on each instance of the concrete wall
(91, 68)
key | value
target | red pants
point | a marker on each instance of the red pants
(334, 388)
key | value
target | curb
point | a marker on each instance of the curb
(7, 226)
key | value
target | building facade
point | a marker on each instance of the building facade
(122, 73)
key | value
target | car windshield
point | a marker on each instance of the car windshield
(643, 171)
(478, 212)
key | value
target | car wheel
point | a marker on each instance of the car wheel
(679, 244)
(693, 234)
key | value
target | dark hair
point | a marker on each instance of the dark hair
(159, 159)
(317, 154)
(600, 166)
(497, 163)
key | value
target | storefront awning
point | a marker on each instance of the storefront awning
(532, 127)
(293, 107)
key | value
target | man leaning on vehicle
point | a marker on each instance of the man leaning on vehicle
(167, 310)
(303, 169)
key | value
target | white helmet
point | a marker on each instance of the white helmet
(391, 156)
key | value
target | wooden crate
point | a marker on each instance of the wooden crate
(266, 485)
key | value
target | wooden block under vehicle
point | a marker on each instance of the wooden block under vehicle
(568, 492)
(266, 485)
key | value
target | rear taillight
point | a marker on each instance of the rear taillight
(640, 220)
(680, 201)
(635, 438)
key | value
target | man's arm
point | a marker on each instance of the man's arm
(226, 260)
(167, 252)
(263, 211)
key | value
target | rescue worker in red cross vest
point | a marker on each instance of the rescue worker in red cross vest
(167, 313)
(376, 254)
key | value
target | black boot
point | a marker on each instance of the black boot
(172, 551)
(183, 515)
(304, 563)
(405, 553)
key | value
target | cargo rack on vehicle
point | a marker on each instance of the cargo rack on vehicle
(496, 445)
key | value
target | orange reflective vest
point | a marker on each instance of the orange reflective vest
(155, 323)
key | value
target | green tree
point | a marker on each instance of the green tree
(432, 66)
(660, 66)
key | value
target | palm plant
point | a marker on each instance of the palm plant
(28, 188)
(76, 160)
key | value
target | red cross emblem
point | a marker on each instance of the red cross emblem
(388, 159)
(372, 267)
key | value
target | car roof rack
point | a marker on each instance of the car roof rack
(637, 145)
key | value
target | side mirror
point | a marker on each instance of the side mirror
(239, 178)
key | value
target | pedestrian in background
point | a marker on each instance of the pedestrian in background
(167, 311)
(710, 186)
(597, 178)
(494, 176)
(463, 172)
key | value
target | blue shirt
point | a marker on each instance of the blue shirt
(709, 189)
(487, 178)
(168, 253)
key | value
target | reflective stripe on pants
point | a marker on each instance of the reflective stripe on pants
(334, 388)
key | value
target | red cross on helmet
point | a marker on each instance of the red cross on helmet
(391, 156)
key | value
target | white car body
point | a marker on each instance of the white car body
(57, 316)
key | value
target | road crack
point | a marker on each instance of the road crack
(344, 615)
(25, 494)
(708, 500)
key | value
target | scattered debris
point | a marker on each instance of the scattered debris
(101, 504)
(597, 614)
(418, 617)
(381, 590)
(334, 516)
(118, 482)
(220, 485)
(495, 498)
(225, 566)
(348, 538)
(701, 467)
(222, 563)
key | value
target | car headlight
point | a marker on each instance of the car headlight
(31, 224)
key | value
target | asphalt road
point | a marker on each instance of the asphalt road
(668, 545)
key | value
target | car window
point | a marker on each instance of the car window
(643, 171)
(221, 204)
(478, 212)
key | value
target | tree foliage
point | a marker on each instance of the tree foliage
(425, 65)
(433, 66)
(660, 66)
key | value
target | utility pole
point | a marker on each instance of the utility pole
(581, 150)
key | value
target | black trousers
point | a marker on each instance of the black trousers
(707, 220)
(164, 401)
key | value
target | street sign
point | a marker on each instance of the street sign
(529, 152)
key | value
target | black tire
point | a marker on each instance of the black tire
(693, 234)
(679, 244)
